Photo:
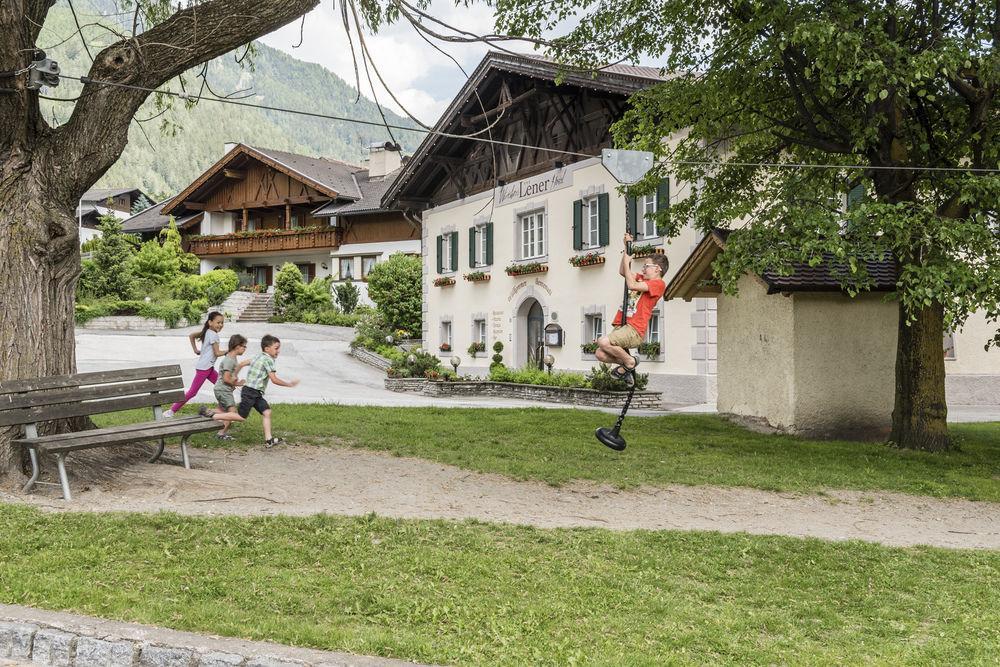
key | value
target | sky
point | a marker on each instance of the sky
(422, 79)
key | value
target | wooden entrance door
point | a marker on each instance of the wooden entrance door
(536, 328)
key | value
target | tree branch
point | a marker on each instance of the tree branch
(98, 129)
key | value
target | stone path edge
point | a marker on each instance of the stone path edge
(72, 640)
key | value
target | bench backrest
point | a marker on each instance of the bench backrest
(83, 394)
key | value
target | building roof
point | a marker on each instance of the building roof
(370, 200)
(334, 174)
(152, 219)
(623, 80)
(696, 278)
(103, 194)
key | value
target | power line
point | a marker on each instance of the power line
(514, 144)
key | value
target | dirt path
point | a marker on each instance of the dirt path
(305, 480)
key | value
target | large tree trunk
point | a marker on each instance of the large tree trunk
(920, 413)
(41, 262)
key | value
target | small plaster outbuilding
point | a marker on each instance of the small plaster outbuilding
(797, 354)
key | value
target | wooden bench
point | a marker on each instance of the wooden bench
(28, 402)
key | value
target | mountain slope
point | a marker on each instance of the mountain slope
(186, 139)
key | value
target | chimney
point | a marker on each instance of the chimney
(383, 158)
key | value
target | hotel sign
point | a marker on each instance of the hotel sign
(533, 187)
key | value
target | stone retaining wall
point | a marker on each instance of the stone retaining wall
(649, 400)
(370, 358)
(130, 323)
(69, 640)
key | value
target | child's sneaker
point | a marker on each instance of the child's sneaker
(224, 436)
(273, 441)
(168, 414)
(203, 411)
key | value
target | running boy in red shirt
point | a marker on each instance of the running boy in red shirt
(649, 287)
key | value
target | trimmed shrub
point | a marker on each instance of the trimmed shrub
(601, 379)
(395, 287)
(500, 373)
(347, 296)
(415, 364)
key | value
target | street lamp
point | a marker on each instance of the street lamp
(455, 361)
(389, 339)
(548, 360)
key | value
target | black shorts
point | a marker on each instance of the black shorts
(251, 399)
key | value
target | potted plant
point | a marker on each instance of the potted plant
(445, 347)
(589, 348)
(477, 276)
(651, 350)
(646, 250)
(587, 259)
(475, 348)
(523, 269)
(444, 281)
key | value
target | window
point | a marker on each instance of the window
(593, 222)
(308, 272)
(446, 253)
(532, 235)
(653, 330)
(367, 264)
(295, 222)
(445, 336)
(595, 327)
(479, 332)
(347, 268)
(647, 216)
(481, 259)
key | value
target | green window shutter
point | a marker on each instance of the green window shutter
(578, 224)
(472, 247)
(855, 196)
(440, 258)
(454, 251)
(489, 243)
(604, 218)
(663, 194)
(631, 214)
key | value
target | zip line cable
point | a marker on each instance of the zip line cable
(514, 144)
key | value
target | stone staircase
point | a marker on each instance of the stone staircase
(259, 309)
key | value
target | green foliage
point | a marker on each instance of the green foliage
(141, 204)
(415, 364)
(497, 358)
(347, 296)
(601, 379)
(370, 330)
(171, 239)
(90, 244)
(315, 296)
(589, 348)
(650, 350)
(395, 287)
(214, 287)
(171, 311)
(500, 373)
(111, 275)
(288, 286)
(154, 263)
(476, 347)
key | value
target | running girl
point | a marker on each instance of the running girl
(205, 366)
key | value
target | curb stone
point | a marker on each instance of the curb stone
(40, 637)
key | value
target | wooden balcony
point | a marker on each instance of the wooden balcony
(277, 241)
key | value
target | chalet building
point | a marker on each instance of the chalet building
(531, 259)
(98, 202)
(256, 209)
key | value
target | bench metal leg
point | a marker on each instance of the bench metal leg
(63, 479)
(159, 451)
(35, 470)
(184, 452)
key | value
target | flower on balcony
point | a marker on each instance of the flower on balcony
(646, 250)
(261, 233)
(651, 350)
(476, 347)
(587, 259)
(589, 348)
(444, 281)
(477, 276)
(522, 269)
(445, 347)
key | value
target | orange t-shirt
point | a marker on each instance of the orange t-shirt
(638, 316)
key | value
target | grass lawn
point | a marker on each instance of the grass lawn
(557, 446)
(475, 593)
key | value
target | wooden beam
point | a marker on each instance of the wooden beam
(237, 174)
(243, 220)
(502, 106)
(196, 205)
(288, 215)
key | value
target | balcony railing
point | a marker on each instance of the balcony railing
(266, 241)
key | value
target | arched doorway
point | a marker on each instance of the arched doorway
(534, 335)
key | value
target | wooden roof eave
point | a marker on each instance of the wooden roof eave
(178, 201)
(695, 278)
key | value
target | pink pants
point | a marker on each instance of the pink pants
(199, 379)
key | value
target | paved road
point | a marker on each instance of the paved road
(319, 356)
